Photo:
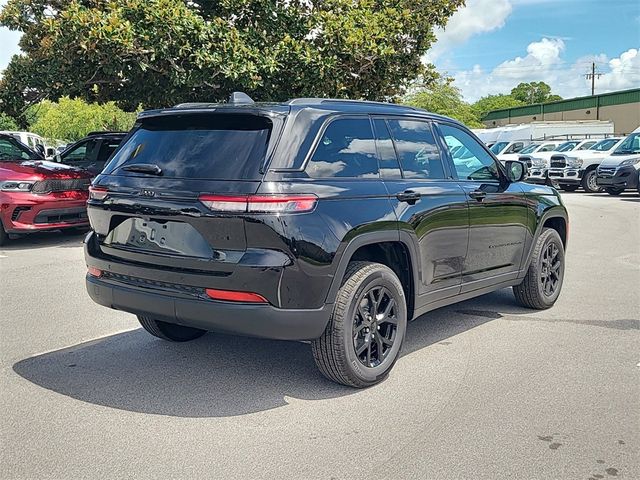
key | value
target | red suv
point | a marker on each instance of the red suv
(38, 195)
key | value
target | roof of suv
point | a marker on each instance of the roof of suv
(283, 108)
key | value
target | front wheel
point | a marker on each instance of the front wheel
(363, 338)
(589, 183)
(169, 331)
(614, 191)
(541, 286)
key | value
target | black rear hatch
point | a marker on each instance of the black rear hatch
(150, 212)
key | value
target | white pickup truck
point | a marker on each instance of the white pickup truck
(539, 162)
(575, 169)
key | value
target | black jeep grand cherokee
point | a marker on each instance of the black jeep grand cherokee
(324, 220)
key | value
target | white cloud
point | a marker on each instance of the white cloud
(478, 16)
(544, 62)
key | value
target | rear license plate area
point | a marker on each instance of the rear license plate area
(160, 237)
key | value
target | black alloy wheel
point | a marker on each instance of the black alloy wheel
(375, 326)
(550, 269)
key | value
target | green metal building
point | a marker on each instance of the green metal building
(622, 108)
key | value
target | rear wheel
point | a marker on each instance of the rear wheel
(589, 182)
(569, 188)
(541, 286)
(614, 191)
(363, 338)
(169, 331)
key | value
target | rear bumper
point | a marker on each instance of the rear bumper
(625, 177)
(263, 321)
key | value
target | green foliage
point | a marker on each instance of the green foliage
(71, 119)
(161, 52)
(533, 92)
(444, 98)
(495, 102)
(7, 122)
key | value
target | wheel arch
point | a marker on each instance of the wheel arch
(393, 248)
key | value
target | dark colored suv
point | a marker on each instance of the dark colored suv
(92, 152)
(324, 220)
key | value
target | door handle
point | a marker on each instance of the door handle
(479, 195)
(408, 196)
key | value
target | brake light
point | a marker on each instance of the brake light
(260, 203)
(97, 193)
(233, 296)
(94, 272)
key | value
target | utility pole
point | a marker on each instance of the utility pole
(592, 76)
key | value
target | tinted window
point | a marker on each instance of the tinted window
(106, 149)
(529, 149)
(417, 149)
(604, 145)
(79, 153)
(515, 148)
(586, 145)
(389, 166)
(497, 147)
(209, 146)
(10, 149)
(346, 149)
(567, 146)
(549, 147)
(471, 160)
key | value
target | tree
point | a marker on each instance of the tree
(495, 102)
(7, 122)
(72, 119)
(160, 52)
(533, 92)
(442, 97)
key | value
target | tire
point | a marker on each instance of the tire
(536, 291)
(339, 353)
(569, 188)
(170, 331)
(589, 182)
(614, 191)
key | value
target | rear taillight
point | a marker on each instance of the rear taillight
(234, 296)
(260, 203)
(98, 193)
(94, 272)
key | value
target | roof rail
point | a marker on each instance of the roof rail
(320, 101)
(102, 132)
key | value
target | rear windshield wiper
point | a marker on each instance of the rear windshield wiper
(149, 168)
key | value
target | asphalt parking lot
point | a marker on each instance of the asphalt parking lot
(484, 389)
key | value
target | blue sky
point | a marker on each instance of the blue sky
(489, 46)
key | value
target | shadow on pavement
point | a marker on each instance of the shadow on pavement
(53, 238)
(220, 375)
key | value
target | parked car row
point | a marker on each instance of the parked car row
(38, 195)
(611, 164)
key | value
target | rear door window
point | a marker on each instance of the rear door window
(203, 146)
(346, 149)
(417, 149)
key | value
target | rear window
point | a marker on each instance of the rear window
(209, 146)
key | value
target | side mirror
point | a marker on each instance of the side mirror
(516, 170)
(57, 158)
